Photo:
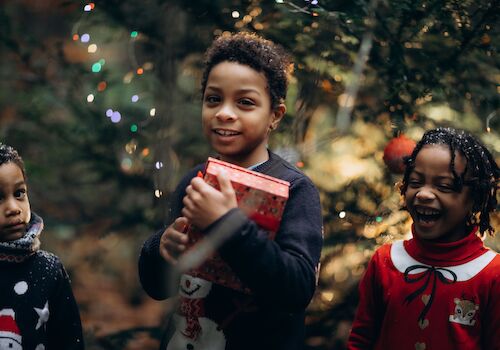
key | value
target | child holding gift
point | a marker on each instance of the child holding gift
(244, 88)
(37, 307)
(440, 289)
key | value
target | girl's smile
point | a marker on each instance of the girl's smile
(439, 210)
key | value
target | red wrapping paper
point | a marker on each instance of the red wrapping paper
(261, 197)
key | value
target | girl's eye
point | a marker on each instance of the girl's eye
(414, 183)
(446, 187)
(212, 99)
(20, 193)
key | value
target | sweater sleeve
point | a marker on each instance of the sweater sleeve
(157, 277)
(281, 273)
(64, 327)
(491, 322)
(365, 328)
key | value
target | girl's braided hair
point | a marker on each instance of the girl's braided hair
(8, 155)
(481, 169)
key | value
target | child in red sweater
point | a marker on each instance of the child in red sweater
(440, 289)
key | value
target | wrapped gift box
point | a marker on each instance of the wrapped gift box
(261, 197)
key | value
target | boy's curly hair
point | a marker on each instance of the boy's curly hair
(256, 52)
(8, 155)
(481, 169)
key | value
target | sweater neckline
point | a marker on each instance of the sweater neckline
(446, 254)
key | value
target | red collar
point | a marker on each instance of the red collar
(446, 254)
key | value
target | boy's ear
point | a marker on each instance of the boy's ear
(278, 114)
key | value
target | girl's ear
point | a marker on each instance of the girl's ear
(278, 114)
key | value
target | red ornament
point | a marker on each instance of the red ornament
(394, 152)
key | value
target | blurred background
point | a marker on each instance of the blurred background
(102, 100)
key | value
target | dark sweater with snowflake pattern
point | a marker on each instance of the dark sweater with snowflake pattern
(281, 273)
(37, 292)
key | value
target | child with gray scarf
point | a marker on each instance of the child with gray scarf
(37, 308)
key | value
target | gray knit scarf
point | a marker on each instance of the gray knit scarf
(24, 247)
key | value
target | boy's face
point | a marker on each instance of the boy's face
(14, 204)
(237, 115)
(439, 212)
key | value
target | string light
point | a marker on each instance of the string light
(152, 112)
(96, 67)
(76, 37)
(235, 14)
(92, 48)
(133, 128)
(116, 117)
(158, 165)
(134, 34)
(158, 193)
(342, 214)
(134, 98)
(90, 98)
(85, 38)
(102, 86)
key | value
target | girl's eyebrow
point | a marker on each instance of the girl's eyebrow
(438, 177)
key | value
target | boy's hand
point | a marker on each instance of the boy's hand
(173, 240)
(203, 204)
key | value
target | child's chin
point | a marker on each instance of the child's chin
(11, 236)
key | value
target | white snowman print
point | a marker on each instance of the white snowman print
(10, 336)
(196, 332)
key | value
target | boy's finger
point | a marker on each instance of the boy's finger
(180, 224)
(224, 182)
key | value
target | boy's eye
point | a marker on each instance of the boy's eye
(212, 99)
(247, 102)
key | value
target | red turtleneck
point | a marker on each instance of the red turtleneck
(418, 294)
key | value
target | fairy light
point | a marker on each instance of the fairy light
(133, 128)
(92, 48)
(152, 112)
(140, 71)
(126, 164)
(145, 152)
(96, 67)
(134, 34)
(76, 37)
(342, 214)
(158, 165)
(134, 98)
(116, 117)
(85, 38)
(101, 86)
(158, 193)
(90, 98)
(109, 113)
(235, 14)
(128, 77)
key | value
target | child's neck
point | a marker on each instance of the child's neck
(247, 162)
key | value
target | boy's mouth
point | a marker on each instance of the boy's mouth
(224, 132)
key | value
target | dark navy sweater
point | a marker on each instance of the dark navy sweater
(281, 274)
(37, 306)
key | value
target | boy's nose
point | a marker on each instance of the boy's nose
(225, 113)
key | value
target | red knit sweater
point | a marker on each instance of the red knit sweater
(421, 295)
